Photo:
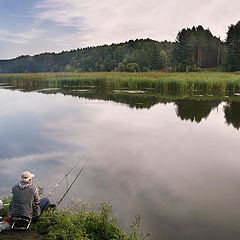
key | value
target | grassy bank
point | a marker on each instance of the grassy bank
(81, 223)
(203, 81)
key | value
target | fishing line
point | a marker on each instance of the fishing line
(72, 182)
(57, 185)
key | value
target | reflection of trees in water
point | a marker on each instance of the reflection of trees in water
(232, 114)
(133, 100)
(194, 110)
(187, 108)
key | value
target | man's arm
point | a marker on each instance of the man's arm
(36, 195)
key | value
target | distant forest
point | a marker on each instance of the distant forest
(194, 49)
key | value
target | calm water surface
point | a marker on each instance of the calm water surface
(174, 163)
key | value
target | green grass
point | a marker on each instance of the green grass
(81, 222)
(203, 81)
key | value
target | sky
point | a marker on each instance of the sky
(29, 27)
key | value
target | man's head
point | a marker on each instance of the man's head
(27, 176)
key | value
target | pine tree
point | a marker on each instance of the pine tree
(197, 47)
(233, 48)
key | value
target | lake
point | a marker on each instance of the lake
(172, 159)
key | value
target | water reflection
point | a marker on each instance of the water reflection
(183, 178)
(195, 110)
(232, 114)
(188, 107)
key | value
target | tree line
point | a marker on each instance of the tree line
(195, 48)
(131, 56)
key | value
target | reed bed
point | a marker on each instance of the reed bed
(181, 82)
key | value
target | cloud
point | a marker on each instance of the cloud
(118, 21)
(110, 21)
(12, 165)
(58, 25)
(20, 37)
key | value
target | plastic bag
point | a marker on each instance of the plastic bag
(4, 226)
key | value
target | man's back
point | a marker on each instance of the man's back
(26, 201)
(23, 200)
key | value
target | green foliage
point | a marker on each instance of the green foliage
(233, 48)
(201, 81)
(181, 82)
(122, 65)
(68, 68)
(163, 59)
(194, 68)
(132, 67)
(84, 223)
(197, 47)
(81, 223)
(145, 54)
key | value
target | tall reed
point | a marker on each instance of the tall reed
(181, 82)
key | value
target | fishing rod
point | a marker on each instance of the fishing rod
(72, 182)
(56, 186)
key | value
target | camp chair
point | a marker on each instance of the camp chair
(20, 223)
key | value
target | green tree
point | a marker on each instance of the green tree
(163, 59)
(144, 52)
(68, 68)
(197, 47)
(132, 67)
(233, 48)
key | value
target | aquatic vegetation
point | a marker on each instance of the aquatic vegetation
(181, 82)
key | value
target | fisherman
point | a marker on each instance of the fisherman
(26, 201)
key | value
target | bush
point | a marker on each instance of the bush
(81, 223)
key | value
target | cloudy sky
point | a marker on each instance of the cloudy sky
(29, 27)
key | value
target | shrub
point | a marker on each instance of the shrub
(84, 223)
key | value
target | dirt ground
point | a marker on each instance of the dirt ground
(19, 235)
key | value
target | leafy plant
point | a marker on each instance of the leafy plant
(83, 223)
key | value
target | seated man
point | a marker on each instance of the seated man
(25, 200)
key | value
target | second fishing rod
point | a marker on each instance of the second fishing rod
(84, 157)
